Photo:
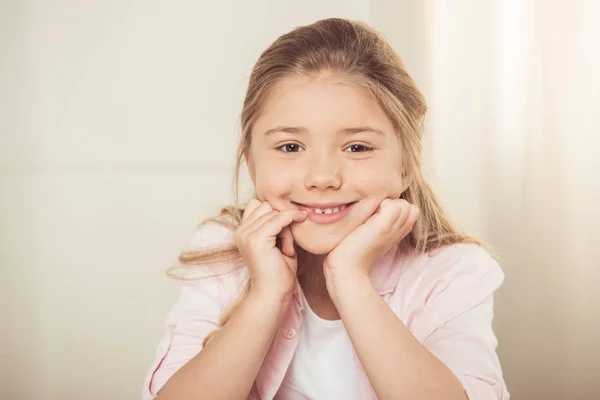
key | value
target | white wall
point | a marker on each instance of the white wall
(118, 126)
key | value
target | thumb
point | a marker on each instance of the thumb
(287, 242)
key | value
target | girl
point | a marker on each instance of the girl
(343, 278)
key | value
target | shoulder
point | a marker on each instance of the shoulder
(208, 252)
(454, 263)
(212, 234)
(454, 277)
(217, 278)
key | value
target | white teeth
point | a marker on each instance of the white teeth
(328, 210)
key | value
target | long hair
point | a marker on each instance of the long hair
(360, 53)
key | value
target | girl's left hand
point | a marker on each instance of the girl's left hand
(360, 249)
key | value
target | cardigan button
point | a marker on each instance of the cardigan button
(289, 334)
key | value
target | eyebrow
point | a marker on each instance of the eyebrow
(295, 130)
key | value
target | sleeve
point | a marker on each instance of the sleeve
(195, 314)
(466, 344)
(455, 323)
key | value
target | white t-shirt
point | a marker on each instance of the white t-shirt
(323, 366)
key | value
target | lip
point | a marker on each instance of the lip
(325, 218)
(322, 205)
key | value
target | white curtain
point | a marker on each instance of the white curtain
(513, 148)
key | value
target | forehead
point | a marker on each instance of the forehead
(324, 103)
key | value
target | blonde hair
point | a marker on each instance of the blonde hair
(354, 50)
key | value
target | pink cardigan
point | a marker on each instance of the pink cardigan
(444, 298)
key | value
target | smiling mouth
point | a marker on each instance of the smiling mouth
(327, 209)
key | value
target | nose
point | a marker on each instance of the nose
(324, 172)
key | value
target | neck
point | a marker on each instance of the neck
(310, 274)
(312, 281)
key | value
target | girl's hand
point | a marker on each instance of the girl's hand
(360, 249)
(272, 271)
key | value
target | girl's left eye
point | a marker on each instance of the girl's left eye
(358, 148)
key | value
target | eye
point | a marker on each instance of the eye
(358, 148)
(290, 148)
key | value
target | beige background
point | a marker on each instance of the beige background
(118, 121)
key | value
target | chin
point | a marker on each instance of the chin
(316, 244)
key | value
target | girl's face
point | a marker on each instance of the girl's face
(324, 146)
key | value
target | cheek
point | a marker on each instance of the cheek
(272, 182)
(380, 183)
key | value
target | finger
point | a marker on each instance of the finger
(409, 222)
(251, 206)
(389, 213)
(262, 209)
(413, 215)
(287, 242)
(275, 224)
(404, 209)
(260, 220)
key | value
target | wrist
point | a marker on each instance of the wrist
(271, 297)
(347, 280)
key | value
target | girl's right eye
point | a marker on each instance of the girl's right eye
(290, 148)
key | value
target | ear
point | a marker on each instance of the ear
(407, 179)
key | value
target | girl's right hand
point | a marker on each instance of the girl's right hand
(272, 271)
